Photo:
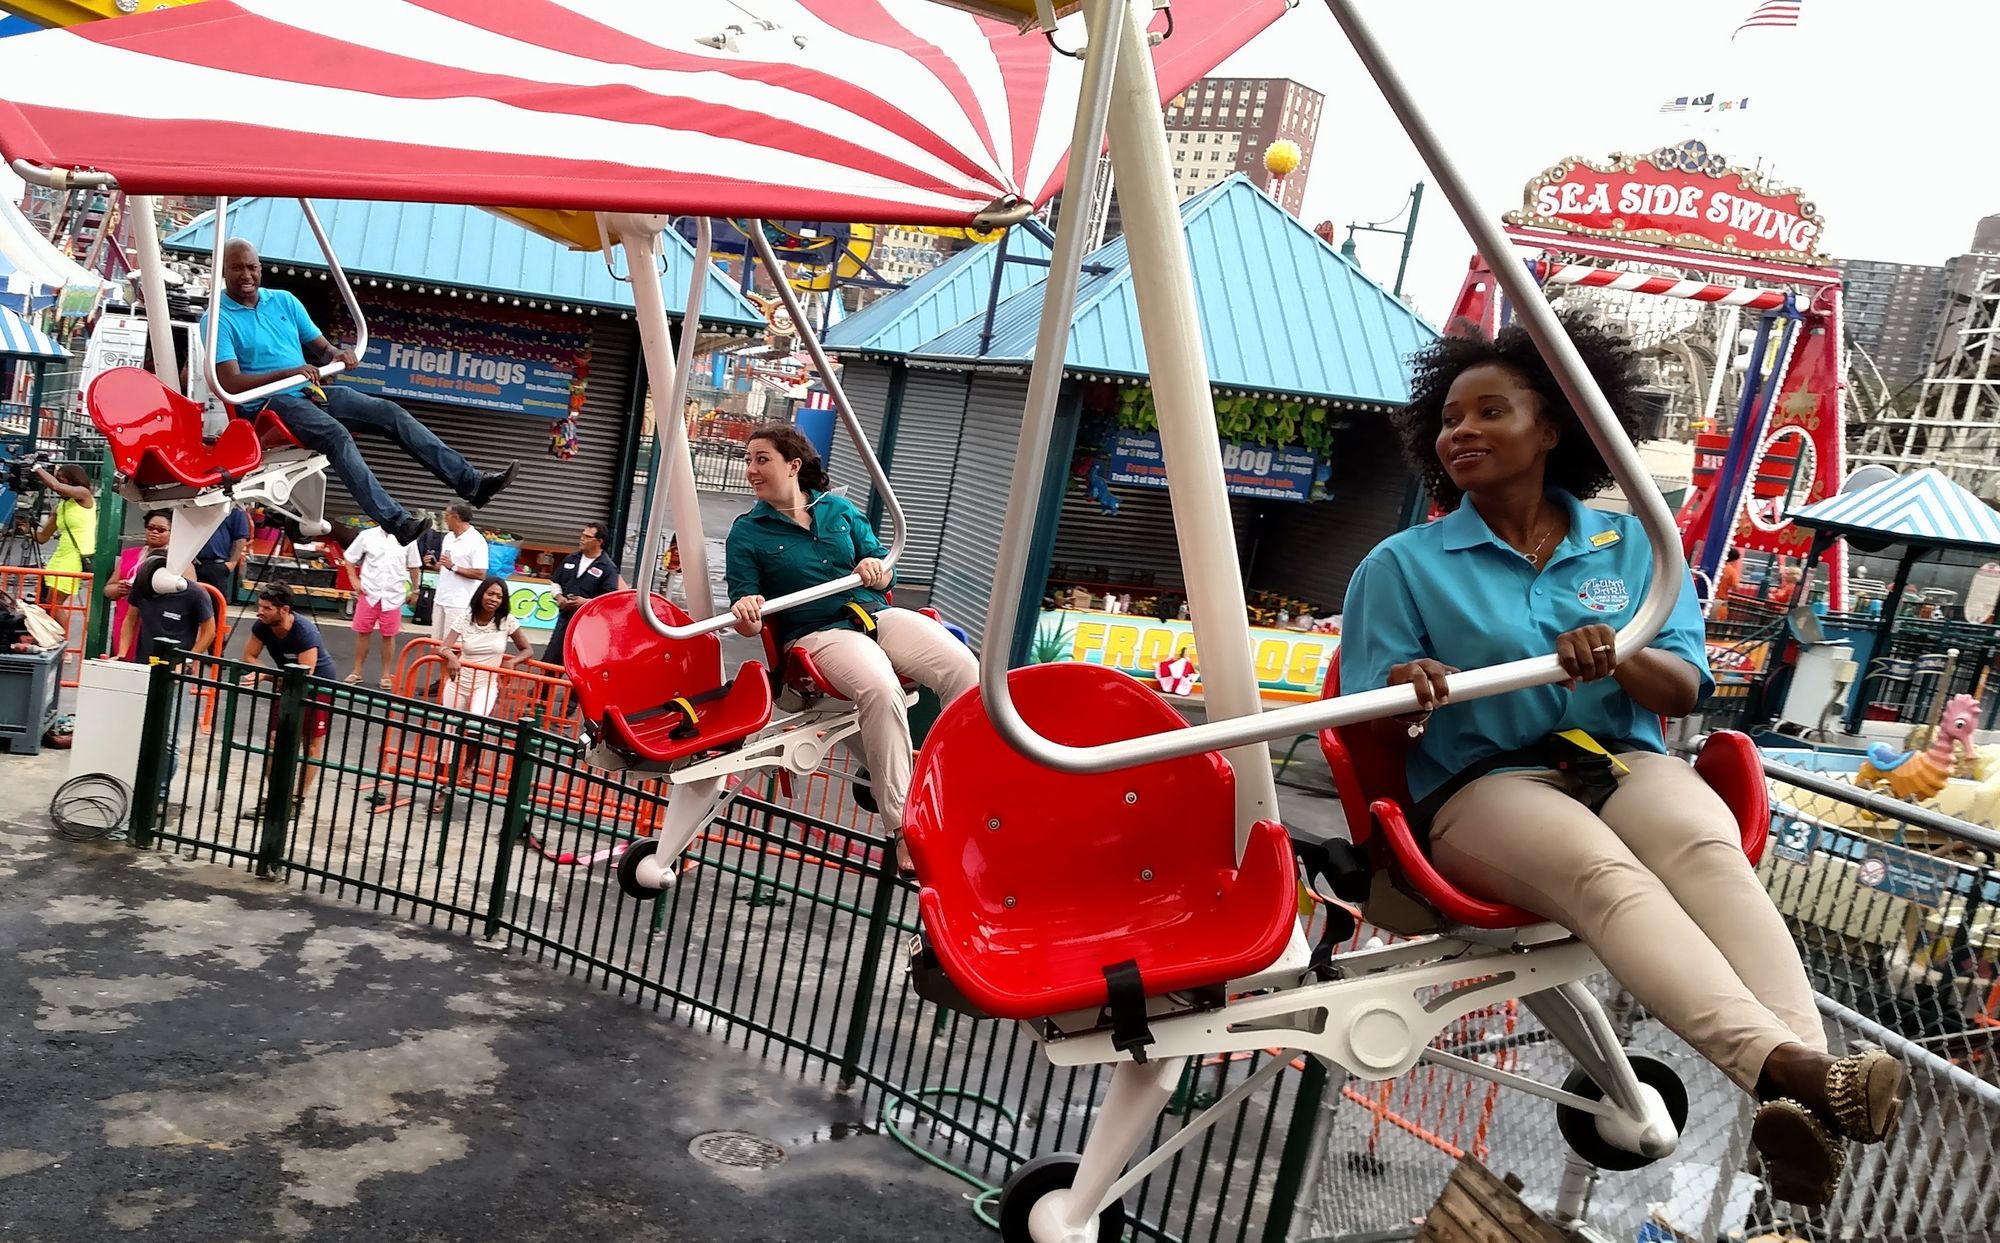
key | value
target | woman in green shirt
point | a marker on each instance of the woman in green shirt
(73, 526)
(799, 536)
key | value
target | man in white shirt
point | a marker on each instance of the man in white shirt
(461, 567)
(385, 572)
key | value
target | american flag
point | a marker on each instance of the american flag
(1772, 13)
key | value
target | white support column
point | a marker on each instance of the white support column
(640, 235)
(1163, 283)
(153, 287)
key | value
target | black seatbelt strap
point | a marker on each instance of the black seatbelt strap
(689, 725)
(1344, 871)
(1127, 992)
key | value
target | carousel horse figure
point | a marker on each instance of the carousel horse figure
(1919, 775)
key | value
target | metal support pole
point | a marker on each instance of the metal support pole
(858, 1024)
(159, 719)
(671, 455)
(104, 561)
(514, 821)
(281, 771)
(1409, 235)
(1163, 286)
(1302, 1140)
(153, 287)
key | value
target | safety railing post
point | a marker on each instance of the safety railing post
(871, 965)
(282, 769)
(514, 822)
(1301, 1142)
(159, 720)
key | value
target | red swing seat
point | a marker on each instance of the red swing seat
(795, 668)
(1368, 775)
(1033, 881)
(627, 676)
(155, 434)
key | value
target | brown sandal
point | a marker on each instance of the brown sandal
(1864, 1095)
(1802, 1163)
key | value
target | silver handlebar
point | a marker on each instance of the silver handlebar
(898, 527)
(213, 328)
(1604, 429)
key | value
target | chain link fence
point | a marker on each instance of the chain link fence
(1897, 913)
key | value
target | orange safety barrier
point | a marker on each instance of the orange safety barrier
(73, 613)
(416, 759)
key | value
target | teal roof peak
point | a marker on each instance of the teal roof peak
(457, 247)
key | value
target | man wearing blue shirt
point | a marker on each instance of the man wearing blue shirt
(222, 556)
(266, 335)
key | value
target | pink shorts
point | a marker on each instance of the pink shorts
(383, 619)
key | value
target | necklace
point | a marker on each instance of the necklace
(1535, 557)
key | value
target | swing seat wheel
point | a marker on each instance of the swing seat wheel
(636, 878)
(1031, 1185)
(1613, 1143)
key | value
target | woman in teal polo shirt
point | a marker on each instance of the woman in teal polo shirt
(798, 536)
(1645, 867)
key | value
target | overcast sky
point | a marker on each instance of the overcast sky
(1863, 114)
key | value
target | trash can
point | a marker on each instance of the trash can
(28, 682)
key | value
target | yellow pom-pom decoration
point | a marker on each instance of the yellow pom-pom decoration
(1282, 158)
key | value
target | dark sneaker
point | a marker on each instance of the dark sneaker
(408, 529)
(863, 793)
(490, 485)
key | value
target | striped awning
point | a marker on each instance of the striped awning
(20, 339)
(1925, 508)
(892, 111)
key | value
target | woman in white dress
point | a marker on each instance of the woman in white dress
(475, 650)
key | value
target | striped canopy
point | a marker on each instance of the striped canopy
(891, 111)
(20, 339)
(1925, 509)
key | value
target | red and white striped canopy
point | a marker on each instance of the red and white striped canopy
(894, 111)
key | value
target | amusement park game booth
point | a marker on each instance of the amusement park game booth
(493, 336)
(1307, 359)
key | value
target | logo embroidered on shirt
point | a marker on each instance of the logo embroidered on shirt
(1603, 595)
(1603, 539)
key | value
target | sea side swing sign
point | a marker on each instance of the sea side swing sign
(1680, 196)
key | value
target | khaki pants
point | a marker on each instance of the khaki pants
(865, 670)
(1657, 886)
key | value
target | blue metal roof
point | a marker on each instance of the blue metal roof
(456, 247)
(1924, 508)
(21, 339)
(950, 293)
(1281, 311)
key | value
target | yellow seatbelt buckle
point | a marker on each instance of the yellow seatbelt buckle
(1582, 739)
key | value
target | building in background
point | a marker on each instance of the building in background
(1221, 126)
(903, 254)
(1893, 311)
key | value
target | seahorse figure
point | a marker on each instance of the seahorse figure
(1919, 775)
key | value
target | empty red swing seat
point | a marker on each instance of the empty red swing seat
(627, 678)
(1034, 882)
(155, 434)
(1368, 775)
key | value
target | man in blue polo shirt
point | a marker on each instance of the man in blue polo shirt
(266, 335)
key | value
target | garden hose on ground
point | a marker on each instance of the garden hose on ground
(988, 1193)
(90, 807)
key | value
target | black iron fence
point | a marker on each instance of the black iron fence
(784, 934)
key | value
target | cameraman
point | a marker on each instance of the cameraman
(72, 525)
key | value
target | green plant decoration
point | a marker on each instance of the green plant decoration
(1260, 420)
(1053, 642)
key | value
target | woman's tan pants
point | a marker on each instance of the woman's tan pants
(1656, 884)
(865, 670)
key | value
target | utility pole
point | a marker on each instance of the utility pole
(1413, 206)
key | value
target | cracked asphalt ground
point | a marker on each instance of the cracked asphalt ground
(187, 1053)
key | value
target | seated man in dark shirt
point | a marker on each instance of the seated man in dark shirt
(219, 559)
(293, 640)
(584, 574)
(185, 617)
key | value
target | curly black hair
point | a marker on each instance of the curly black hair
(1574, 465)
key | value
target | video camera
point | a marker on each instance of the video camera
(18, 473)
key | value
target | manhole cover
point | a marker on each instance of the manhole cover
(736, 1149)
